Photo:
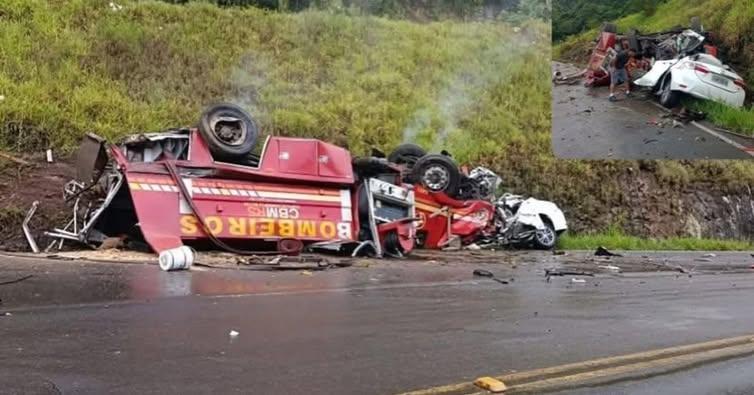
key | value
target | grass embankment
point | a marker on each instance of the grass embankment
(67, 68)
(73, 67)
(732, 22)
(614, 239)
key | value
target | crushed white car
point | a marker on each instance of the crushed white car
(694, 73)
(520, 220)
(529, 221)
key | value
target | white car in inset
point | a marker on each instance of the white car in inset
(700, 75)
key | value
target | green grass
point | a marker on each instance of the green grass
(479, 89)
(616, 240)
(67, 68)
(739, 120)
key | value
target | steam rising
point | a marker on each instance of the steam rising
(456, 100)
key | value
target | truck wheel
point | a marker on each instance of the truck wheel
(406, 154)
(545, 239)
(230, 131)
(608, 27)
(437, 173)
(668, 97)
(696, 24)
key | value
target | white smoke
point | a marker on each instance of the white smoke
(247, 81)
(454, 102)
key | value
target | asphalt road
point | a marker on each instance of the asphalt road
(379, 329)
(588, 126)
(731, 377)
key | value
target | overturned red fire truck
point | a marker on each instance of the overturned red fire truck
(213, 186)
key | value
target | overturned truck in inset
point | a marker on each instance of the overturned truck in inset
(679, 61)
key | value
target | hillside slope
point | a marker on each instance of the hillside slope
(82, 66)
(481, 90)
(732, 22)
(571, 17)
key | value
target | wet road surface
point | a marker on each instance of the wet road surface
(124, 328)
(731, 377)
(588, 126)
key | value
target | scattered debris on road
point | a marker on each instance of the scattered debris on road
(611, 268)
(488, 274)
(17, 280)
(578, 280)
(602, 251)
(490, 384)
(561, 272)
(179, 258)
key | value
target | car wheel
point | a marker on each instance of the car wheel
(546, 238)
(668, 97)
(406, 154)
(437, 173)
(230, 132)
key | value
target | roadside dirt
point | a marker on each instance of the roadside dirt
(557, 264)
(20, 186)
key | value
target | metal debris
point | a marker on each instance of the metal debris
(488, 274)
(602, 251)
(27, 231)
(560, 273)
(17, 280)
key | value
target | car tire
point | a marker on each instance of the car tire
(547, 238)
(608, 27)
(230, 132)
(437, 173)
(406, 154)
(696, 24)
(668, 97)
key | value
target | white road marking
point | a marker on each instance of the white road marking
(748, 150)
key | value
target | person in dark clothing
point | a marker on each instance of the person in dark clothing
(618, 73)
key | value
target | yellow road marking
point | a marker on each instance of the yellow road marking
(611, 368)
(490, 384)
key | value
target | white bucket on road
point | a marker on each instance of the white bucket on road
(180, 258)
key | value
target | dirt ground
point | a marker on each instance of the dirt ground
(20, 186)
(556, 263)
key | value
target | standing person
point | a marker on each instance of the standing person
(618, 73)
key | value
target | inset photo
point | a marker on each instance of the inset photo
(657, 80)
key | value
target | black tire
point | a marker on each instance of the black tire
(230, 131)
(437, 173)
(669, 98)
(608, 27)
(371, 166)
(406, 154)
(547, 238)
(393, 245)
(696, 24)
